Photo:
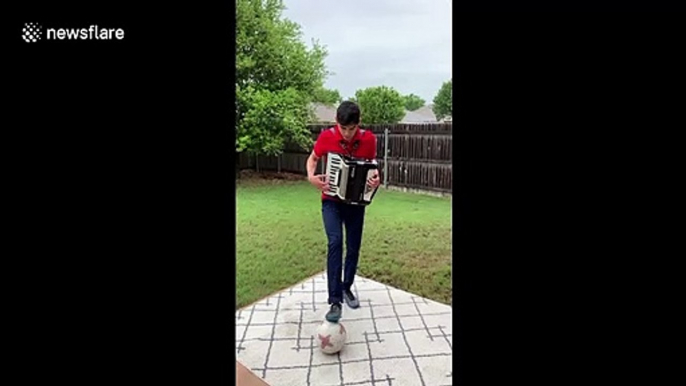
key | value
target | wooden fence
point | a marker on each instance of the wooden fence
(417, 156)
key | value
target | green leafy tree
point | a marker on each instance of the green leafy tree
(327, 97)
(380, 105)
(443, 102)
(413, 102)
(273, 117)
(277, 77)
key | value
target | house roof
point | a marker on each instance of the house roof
(324, 114)
(425, 114)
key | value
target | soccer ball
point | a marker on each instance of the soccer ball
(330, 337)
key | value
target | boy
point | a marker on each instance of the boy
(348, 139)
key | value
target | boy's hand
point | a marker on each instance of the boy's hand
(320, 181)
(374, 182)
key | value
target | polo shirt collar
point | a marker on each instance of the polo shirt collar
(339, 136)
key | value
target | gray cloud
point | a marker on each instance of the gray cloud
(404, 44)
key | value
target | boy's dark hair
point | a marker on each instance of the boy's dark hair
(348, 113)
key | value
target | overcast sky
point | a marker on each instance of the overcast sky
(404, 44)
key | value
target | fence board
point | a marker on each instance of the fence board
(420, 174)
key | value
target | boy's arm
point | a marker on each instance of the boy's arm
(376, 179)
(318, 180)
(312, 164)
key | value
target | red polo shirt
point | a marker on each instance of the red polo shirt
(362, 145)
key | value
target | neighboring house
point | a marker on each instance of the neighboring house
(324, 114)
(428, 110)
(425, 114)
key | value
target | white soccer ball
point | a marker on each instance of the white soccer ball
(330, 337)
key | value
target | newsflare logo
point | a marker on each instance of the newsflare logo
(33, 32)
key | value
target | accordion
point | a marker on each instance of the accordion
(348, 179)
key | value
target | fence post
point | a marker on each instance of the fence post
(257, 162)
(385, 158)
(278, 163)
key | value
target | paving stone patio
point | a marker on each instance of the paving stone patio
(394, 338)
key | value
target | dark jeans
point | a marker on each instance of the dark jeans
(336, 215)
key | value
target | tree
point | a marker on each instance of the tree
(327, 97)
(277, 77)
(413, 102)
(380, 105)
(273, 118)
(443, 102)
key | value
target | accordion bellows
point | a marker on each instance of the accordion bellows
(348, 178)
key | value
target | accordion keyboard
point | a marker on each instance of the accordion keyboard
(335, 168)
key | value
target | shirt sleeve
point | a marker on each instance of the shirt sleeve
(319, 148)
(372, 151)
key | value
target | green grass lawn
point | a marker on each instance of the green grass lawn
(280, 240)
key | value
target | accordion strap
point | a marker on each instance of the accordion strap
(344, 145)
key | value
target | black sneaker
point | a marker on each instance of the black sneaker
(334, 314)
(350, 299)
